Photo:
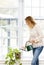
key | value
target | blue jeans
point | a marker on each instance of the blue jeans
(36, 53)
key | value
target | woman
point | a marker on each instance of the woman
(35, 39)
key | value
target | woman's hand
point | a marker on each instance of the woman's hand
(23, 48)
(34, 41)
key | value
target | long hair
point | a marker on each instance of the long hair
(29, 18)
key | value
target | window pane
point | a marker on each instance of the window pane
(26, 34)
(13, 23)
(42, 13)
(0, 42)
(13, 43)
(35, 12)
(13, 33)
(0, 32)
(35, 3)
(8, 35)
(3, 47)
(3, 28)
(4, 33)
(27, 12)
(42, 3)
(27, 3)
(1, 52)
(3, 22)
(13, 28)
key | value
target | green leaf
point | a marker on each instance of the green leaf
(16, 50)
(20, 64)
(6, 61)
(10, 57)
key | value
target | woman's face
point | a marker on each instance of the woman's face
(29, 23)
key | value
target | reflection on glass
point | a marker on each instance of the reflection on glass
(7, 36)
(13, 43)
(3, 22)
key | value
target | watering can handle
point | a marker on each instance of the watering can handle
(26, 43)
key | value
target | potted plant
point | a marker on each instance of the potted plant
(13, 57)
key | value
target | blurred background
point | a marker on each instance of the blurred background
(13, 29)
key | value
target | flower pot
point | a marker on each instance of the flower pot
(18, 55)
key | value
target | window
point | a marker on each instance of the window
(35, 3)
(42, 3)
(33, 8)
(27, 12)
(8, 35)
(8, 26)
(15, 32)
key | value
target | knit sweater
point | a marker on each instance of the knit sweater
(36, 34)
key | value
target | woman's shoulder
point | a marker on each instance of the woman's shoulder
(37, 26)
